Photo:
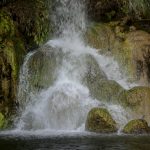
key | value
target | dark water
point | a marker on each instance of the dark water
(73, 142)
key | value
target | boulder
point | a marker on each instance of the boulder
(138, 126)
(99, 120)
(106, 90)
(42, 67)
(138, 100)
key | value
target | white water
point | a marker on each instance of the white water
(65, 104)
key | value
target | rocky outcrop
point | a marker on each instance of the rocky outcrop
(130, 47)
(12, 51)
(32, 18)
(24, 25)
(137, 126)
(107, 90)
(42, 67)
(99, 120)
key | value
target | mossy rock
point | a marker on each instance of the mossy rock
(99, 120)
(12, 52)
(138, 100)
(135, 96)
(129, 48)
(109, 39)
(106, 90)
(2, 121)
(100, 36)
(42, 67)
(138, 126)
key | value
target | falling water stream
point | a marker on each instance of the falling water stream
(51, 93)
(54, 92)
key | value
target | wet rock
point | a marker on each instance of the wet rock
(43, 67)
(131, 48)
(92, 72)
(99, 120)
(138, 126)
(138, 100)
(106, 90)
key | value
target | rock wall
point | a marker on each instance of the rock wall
(24, 25)
(127, 44)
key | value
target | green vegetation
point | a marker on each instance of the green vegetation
(108, 10)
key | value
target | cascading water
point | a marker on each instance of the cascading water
(52, 92)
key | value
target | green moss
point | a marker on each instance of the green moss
(6, 25)
(12, 52)
(99, 120)
(2, 121)
(11, 44)
(135, 96)
(107, 90)
(34, 21)
(136, 127)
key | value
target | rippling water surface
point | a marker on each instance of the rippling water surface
(71, 141)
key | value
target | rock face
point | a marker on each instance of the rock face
(35, 30)
(138, 126)
(138, 100)
(130, 47)
(12, 50)
(99, 120)
(19, 31)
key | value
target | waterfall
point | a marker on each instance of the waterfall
(52, 92)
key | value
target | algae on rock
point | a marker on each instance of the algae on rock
(138, 126)
(99, 120)
(12, 51)
(2, 121)
(138, 100)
